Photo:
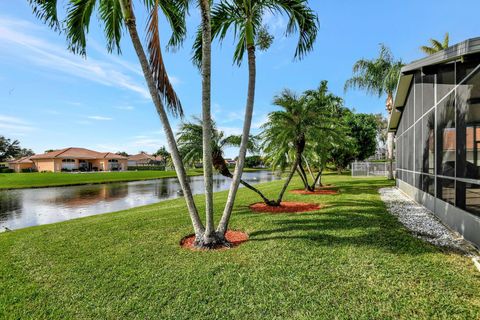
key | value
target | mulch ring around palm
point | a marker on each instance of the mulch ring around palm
(324, 191)
(285, 207)
(236, 238)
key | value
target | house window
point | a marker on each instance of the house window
(68, 164)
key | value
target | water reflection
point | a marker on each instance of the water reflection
(29, 207)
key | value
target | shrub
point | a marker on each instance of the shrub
(29, 170)
(6, 170)
(144, 168)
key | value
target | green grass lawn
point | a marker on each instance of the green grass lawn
(350, 259)
(50, 179)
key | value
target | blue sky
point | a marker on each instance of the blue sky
(51, 99)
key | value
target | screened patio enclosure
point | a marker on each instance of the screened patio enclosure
(437, 124)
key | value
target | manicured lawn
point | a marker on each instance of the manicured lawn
(350, 259)
(34, 180)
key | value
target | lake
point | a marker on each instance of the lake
(30, 207)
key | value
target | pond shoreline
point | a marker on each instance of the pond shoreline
(168, 175)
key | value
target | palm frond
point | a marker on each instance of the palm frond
(46, 11)
(428, 50)
(79, 13)
(436, 44)
(112, 17)
(157, 65)
(301, 18)
(446, 40)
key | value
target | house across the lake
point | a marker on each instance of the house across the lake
(436, 119)
(71, 159)
(145, 159)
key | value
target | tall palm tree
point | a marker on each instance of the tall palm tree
(189, 139)
(378, 77)
(114, 15)
(210, 237)
(245, 17)
(436, 46)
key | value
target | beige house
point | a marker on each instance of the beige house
(72, 159)
(23, 163)
(144, 159)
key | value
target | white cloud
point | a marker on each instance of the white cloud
(276, 23)
(230, 130)
(259, 121)
(14, 125)
(99, 118)
(126, 108)
(19, 40)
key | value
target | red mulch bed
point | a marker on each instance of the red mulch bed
(236, 238)
(316, 192)
(285, 207)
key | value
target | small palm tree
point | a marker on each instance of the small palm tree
(189, 141)
(378, 77)
(301, 124)
(436, 46)
(245, 18)
(115, 15)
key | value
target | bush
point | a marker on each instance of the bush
(29, 170)
(6, 170)
(145, 168)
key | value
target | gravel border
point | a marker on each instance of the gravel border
(423, 223)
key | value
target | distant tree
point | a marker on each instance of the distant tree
(9, 149)
(343, 153)
(253, 161)
(378, 77)
(436, 46)
(49, 150)
(382, 129)
(24, 152)
(162, 152)
(363, 129)
(123, 153)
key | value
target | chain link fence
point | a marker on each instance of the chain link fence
(367, 169)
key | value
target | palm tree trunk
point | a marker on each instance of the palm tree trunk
(177, 160)
(223, 225)
(287, 182)
(304, 176)
(308, 167)
(209, 236)
(318, 179)
(222, 168)
(390, 138)
(305, 182)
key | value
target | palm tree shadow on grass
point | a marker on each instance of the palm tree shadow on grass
(359, 223)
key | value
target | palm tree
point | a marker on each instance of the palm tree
(302, 124)
(210, 238)
(378, 77)
(245, 18)
(283, 135)
(114, 15)
(189, 139)
(436, 46)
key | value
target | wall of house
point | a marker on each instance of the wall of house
(43, 165)
(18, 167)
(438, 144)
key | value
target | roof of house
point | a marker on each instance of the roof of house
(21, 160)
(451, 53)
(142, 156)
(77, 153)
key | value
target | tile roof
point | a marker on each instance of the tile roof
(77, 153)
(144, 156)
(21, 160)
